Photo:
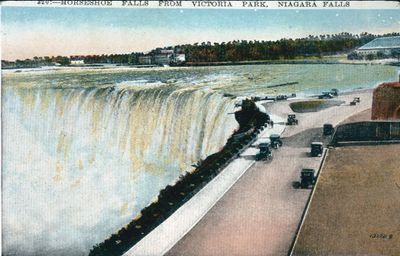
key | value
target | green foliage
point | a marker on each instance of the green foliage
(306, 105)
(312, 46)
(354, 56)
(395, 53)
(370, 56)
(380, 55)
(62, 60)
(113, 58)
(233, 51)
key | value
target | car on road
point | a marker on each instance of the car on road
(307, 178)
(325, 95)
(334, 92)
(276, 141)
(355, 101)
(292, 120)
(265, 152)
(281, 97)
(328, 129)
(316, 149)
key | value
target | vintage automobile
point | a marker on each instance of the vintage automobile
(265, 152)
(307, 178)
(355, 101)
(328, 129)
(334, 92)
(276, 141)
(326, 95)
(292, 120)
(281, 97)
(316, 149)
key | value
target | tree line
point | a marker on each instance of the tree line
(311, 46)
(237, 50)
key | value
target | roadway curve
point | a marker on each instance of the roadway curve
(260, 214)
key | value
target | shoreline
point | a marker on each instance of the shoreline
(172, 199)
(312, 61)
(181, 222)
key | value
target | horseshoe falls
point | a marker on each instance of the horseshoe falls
(83, 156)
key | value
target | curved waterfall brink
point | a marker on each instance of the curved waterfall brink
(80, 163)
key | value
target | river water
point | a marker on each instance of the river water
(84, 150)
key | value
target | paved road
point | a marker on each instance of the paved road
(260, 213)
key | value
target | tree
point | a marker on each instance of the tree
(370, 56)
(62, 60)
(380, 55)
(395, 53)
(353, 56)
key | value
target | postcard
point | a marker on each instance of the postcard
(200, 128)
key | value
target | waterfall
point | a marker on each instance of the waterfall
(80, 162)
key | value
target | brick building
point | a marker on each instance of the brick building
(386, 102)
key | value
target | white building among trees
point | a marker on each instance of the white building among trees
(77, 60)
(380, 46)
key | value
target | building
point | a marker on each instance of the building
(77, 60)
(145, 60)
(163, 58)
(166, 51)
(386, 102)
(179, 58)
(385, 45)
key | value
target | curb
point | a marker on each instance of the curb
(303, 216)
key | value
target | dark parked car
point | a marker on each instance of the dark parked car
(281, 97)
(291, 120)
(307, 178)
(328, 129)
(355, 101)
(334, 92)
(316, 149)
(276, 141)
(325, 95)
(265, 152)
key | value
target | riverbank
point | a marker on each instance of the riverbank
(188, 215)
(322, 60)
(252, 121)
(261, 62)
(311, 61)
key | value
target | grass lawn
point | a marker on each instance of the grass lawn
(313, 105)
(356, 206)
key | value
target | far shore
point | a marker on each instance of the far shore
(312, 61)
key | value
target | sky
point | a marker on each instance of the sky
(28, 31)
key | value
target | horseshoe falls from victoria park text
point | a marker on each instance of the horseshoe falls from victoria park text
(81, 162)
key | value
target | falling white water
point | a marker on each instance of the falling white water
(80, 163)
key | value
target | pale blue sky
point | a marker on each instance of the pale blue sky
(28, 32)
